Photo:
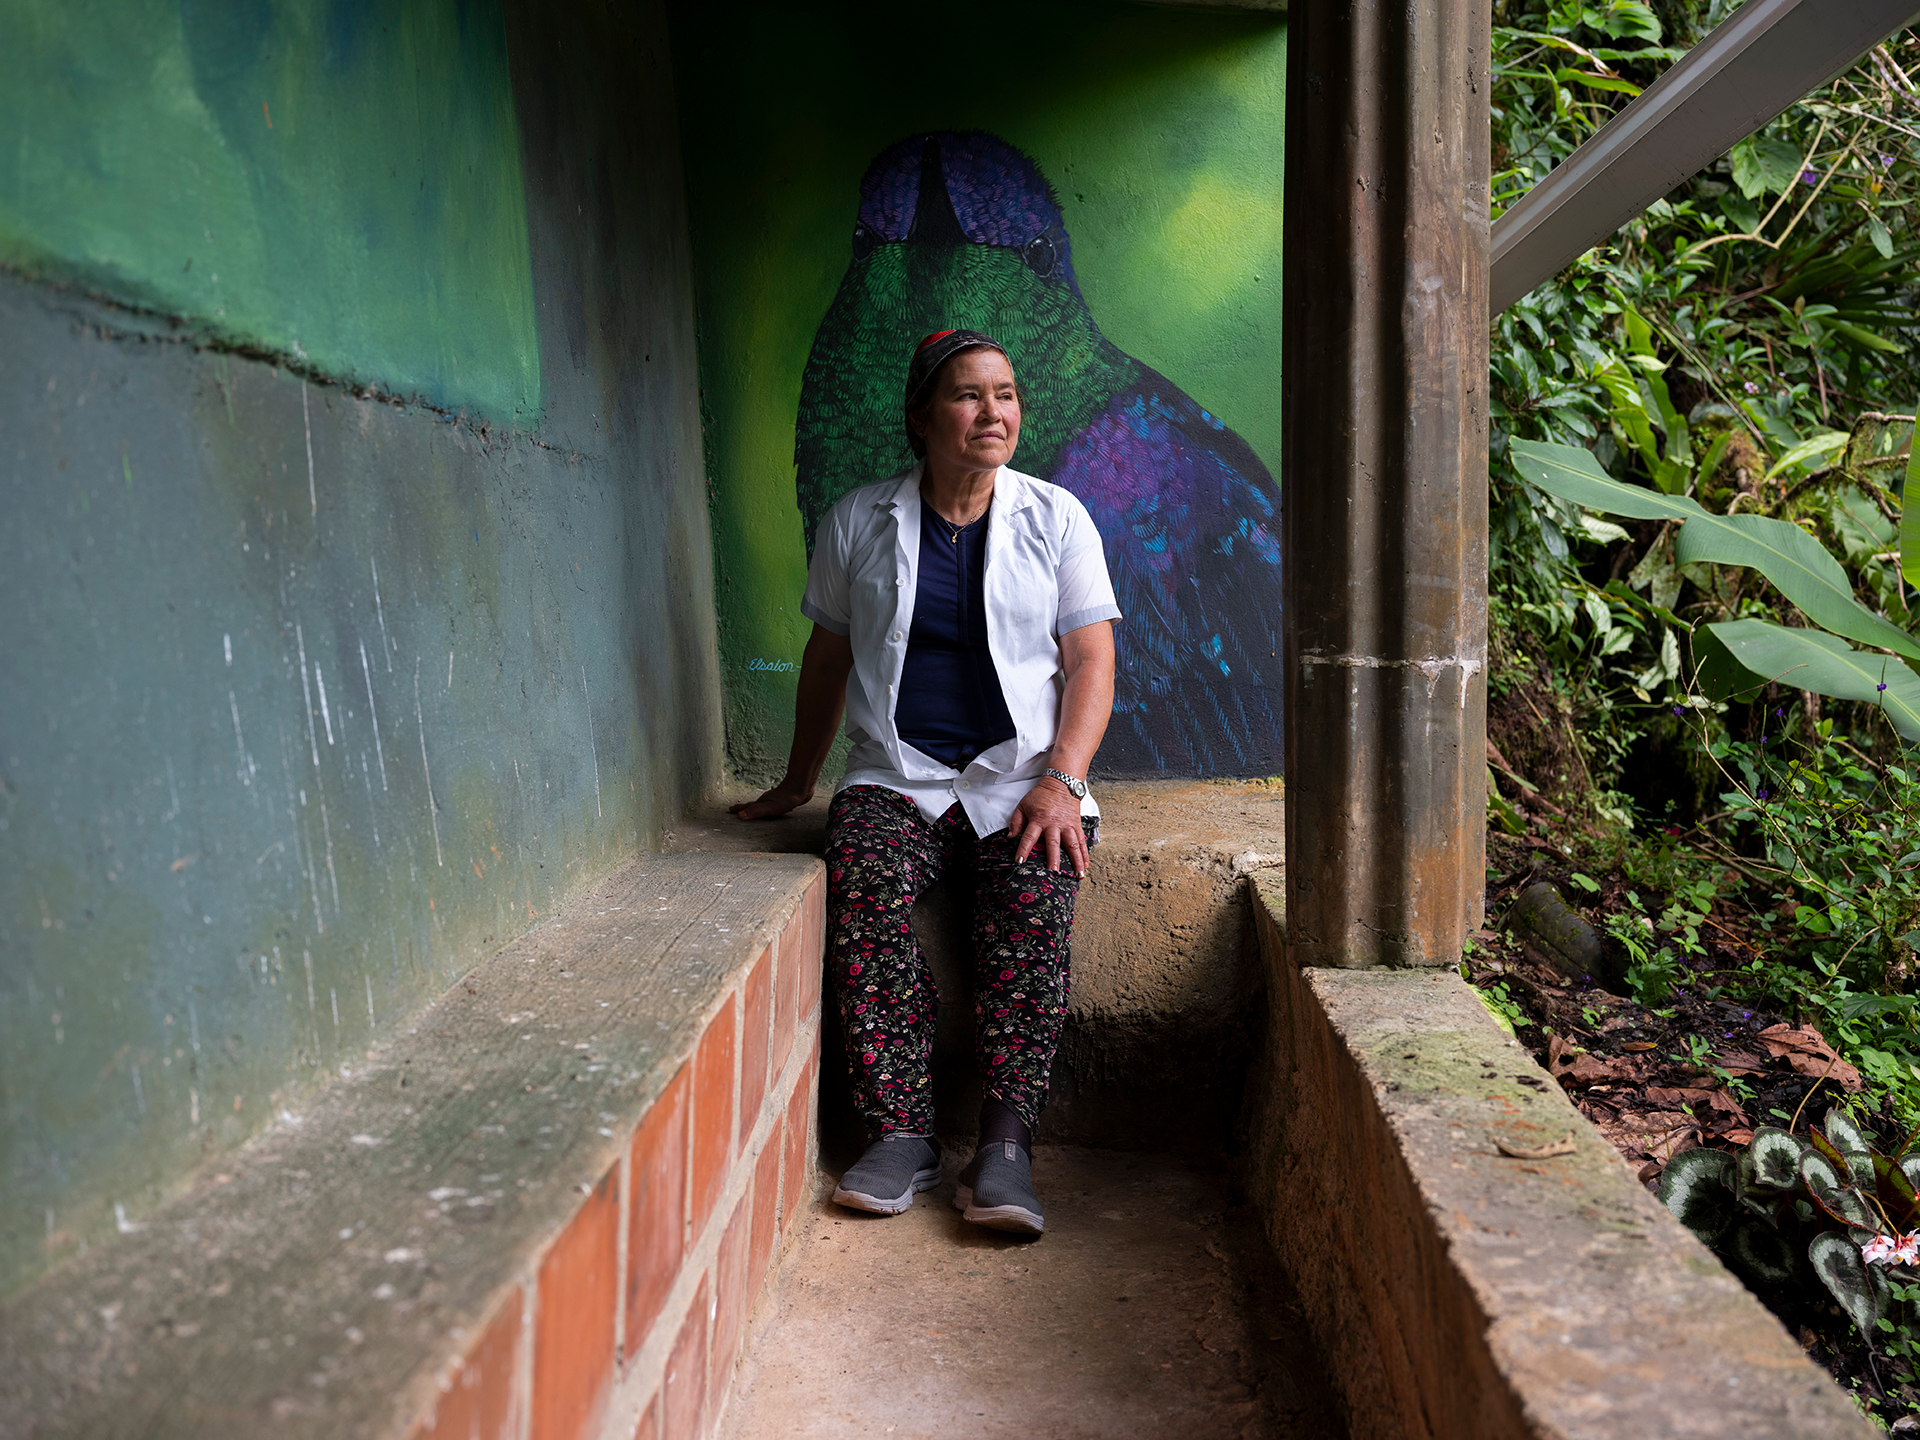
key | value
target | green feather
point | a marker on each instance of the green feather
(850, 430)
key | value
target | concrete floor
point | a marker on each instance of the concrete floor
(1151, 1308)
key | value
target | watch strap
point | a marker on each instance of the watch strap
(1075, 786)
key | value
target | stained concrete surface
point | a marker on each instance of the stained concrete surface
(1151, 1308)
(1473, 1256)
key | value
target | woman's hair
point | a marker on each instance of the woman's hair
(930, 357)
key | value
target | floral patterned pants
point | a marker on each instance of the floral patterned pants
(882, 853)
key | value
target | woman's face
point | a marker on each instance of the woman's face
(973, 422)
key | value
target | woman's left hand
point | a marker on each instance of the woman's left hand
(1050, 815)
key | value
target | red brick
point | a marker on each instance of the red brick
(481, 1401)
(573, 1331)
(766, 1210)
(799, 1147)
(756, 1040)
(732, 1300)
(713, 1109)
(683, 1395)
(786, 1009)
(649, 1426)
(657, 1224)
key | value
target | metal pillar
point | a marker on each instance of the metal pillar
(1384, 494)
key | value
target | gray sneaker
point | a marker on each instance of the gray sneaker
(885, 1179)
(996, 1189)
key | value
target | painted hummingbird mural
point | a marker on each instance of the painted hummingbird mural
(961, 230)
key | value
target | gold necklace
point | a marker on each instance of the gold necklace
(953, 530)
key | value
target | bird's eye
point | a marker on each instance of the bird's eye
(864, 241)
(1041, 255)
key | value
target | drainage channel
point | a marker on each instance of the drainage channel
(1152, 1307)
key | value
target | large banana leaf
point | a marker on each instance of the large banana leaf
(1825, 664)
(1799, 566)
(1717, 673)
(1796, 563)
(1573, 474)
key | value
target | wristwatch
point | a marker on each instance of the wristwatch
(1077, 788)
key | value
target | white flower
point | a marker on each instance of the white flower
(1892, 1250)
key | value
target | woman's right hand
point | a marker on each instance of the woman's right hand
(786, 796)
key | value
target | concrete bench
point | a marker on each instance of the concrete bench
(544, 1210)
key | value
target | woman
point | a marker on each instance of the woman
(962, 615)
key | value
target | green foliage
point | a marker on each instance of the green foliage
(1711, 355)
(1796, 563)
(1656, 949)
(1501, 812)
(1705, 543)
(1827, 1209)
(1910, 518)
(1826, 665)
(1500, 1004)
(1763, 167)
(1784, 553)
(1833, 848)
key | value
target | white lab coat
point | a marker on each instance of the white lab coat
(1046, 575)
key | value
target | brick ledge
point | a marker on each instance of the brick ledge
(443, 1236)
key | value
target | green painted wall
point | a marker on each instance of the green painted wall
(310, 700)
(1161, 129)
(335, 182)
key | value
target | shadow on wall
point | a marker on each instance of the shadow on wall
(962, 230)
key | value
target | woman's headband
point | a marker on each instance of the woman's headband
(935, 350)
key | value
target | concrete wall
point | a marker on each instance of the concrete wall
(1148, 341)
(359, 600)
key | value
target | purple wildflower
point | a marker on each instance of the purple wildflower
(1809, 176)
(1752, 389)
(1881, 686)
(1679, 709)
(1760, 794)
(1886, 162)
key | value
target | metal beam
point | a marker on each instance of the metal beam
(1756, 64)
(1384, 500)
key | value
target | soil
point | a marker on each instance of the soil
(1531, 731)
(1703, 1069)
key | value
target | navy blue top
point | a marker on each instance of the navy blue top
(951, 706)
